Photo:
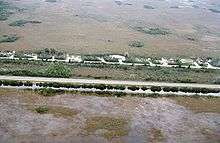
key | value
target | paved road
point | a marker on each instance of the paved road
(100, 81)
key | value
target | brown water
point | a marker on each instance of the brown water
(135, 119)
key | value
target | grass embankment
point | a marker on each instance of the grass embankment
(101, 71)
(53, 88)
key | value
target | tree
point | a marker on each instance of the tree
(144, 88)
(133, 88)
(179, 63)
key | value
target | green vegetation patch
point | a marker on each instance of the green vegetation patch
(51, 70)
(56, 111)
(21, 23)
(8, 38)
(136, 44)
(59, 111)
(58, 70)
(153, 30)
(113, 127)
(156, 135)
(42, 109)
(148, 7)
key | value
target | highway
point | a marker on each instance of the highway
(106, 81)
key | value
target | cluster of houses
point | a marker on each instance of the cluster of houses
(113, 59)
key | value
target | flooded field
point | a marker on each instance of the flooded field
(29, 117)
(163, 27)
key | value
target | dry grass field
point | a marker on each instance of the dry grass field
(108, 26)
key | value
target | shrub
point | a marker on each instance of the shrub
(199, 90)
(56, 85)
(87, 86)
(215, 90)
(133, 88)
(154, 95)
(184, 89)
(40, 84)
(109, 87)
(28, 83)
(66, 85)
(100, 86)
(120, 94)
(42, 109)
(46, 84)
(144, 88)
(90, 58)
(75, 86)
(119, 87)
(109, 59)
(205, 90)
(155, 88)
(172, 89)
(11, 83)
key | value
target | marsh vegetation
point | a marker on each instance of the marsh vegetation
(22, 22)
(148, 7)
(136, 43)
(5, 10)
(113, 127)
(9, 38)
(153, 30)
